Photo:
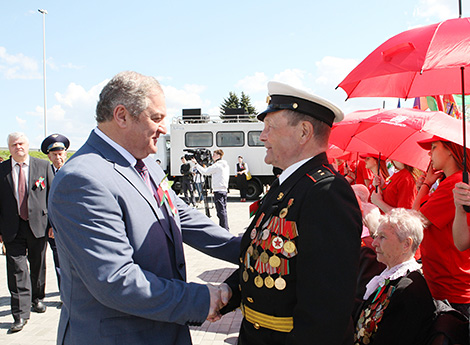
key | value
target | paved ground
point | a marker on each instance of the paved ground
(42, 328)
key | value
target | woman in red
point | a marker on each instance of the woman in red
(372, 163)
(399, 191)
(446, 269)
(363, 176)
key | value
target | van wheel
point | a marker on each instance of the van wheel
(254, 189)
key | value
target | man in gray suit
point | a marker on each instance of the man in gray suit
(24, 188)
(119, 230)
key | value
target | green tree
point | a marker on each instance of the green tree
(245, 102)
(232, 102)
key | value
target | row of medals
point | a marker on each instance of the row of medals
(274, 260)
(371, 316)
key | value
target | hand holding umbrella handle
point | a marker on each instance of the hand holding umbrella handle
(465, 179)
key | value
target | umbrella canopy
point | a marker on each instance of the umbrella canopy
(394, 133)
(419, 62)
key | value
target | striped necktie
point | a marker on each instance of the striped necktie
(22, 193)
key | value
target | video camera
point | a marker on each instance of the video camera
(203, 156)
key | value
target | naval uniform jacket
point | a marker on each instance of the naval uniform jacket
(400, 312)
(320, 275)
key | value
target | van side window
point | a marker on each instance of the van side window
(198, 139)
(233, 139)
(253, 138)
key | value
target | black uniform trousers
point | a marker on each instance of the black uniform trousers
(25, 285)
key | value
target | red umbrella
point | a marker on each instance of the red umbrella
(419, 62)
(425, 61)
(394, 133)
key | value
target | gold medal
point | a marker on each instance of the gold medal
(269, 282)
(245, 276)
(255, 254)
(274, 261)
(250, 250)
(258, 281)
(279, 283)
(264, 257)
(289, 247)
(283, 213)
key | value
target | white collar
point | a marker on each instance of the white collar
(290, 170)
(393, 273)
(126, 154)
(13, 162)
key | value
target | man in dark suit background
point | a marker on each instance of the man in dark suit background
(55, 146)
(24, 188)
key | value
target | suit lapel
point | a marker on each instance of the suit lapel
(128, 172)
(158, 176)
(9, 176)
(32, 173)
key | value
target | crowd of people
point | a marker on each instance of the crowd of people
(338, 252)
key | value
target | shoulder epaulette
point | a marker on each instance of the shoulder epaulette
(320, 173)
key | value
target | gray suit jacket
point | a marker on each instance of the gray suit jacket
(37, 199)
(122, 261)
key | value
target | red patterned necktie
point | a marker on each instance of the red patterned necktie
(22, 193)
(161, 195)
(143, 171)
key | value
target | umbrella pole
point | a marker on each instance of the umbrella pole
(460, 8)
(464, 121)
(378, 174)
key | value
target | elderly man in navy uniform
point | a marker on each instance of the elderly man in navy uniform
(299, 256)
(55, 146)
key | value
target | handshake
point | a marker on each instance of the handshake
(220, 295)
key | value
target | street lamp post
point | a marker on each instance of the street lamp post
(44, 12)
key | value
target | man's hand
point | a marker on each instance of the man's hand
(219, 298)
(50, 233)
(225, 293)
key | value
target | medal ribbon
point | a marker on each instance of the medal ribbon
(165, 196)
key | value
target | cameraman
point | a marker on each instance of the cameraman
(220, 172)
(187, 183)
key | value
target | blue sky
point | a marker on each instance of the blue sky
(198, 50)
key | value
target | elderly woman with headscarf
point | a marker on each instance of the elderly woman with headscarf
(447, 270)
(398, 306)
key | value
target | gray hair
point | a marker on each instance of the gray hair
(130, 89)
(321, 130)
(15, 136)
(406, 224)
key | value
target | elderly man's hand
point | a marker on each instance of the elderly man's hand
(219, 298)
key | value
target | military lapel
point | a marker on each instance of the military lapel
(277, 195)
(267, 208)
